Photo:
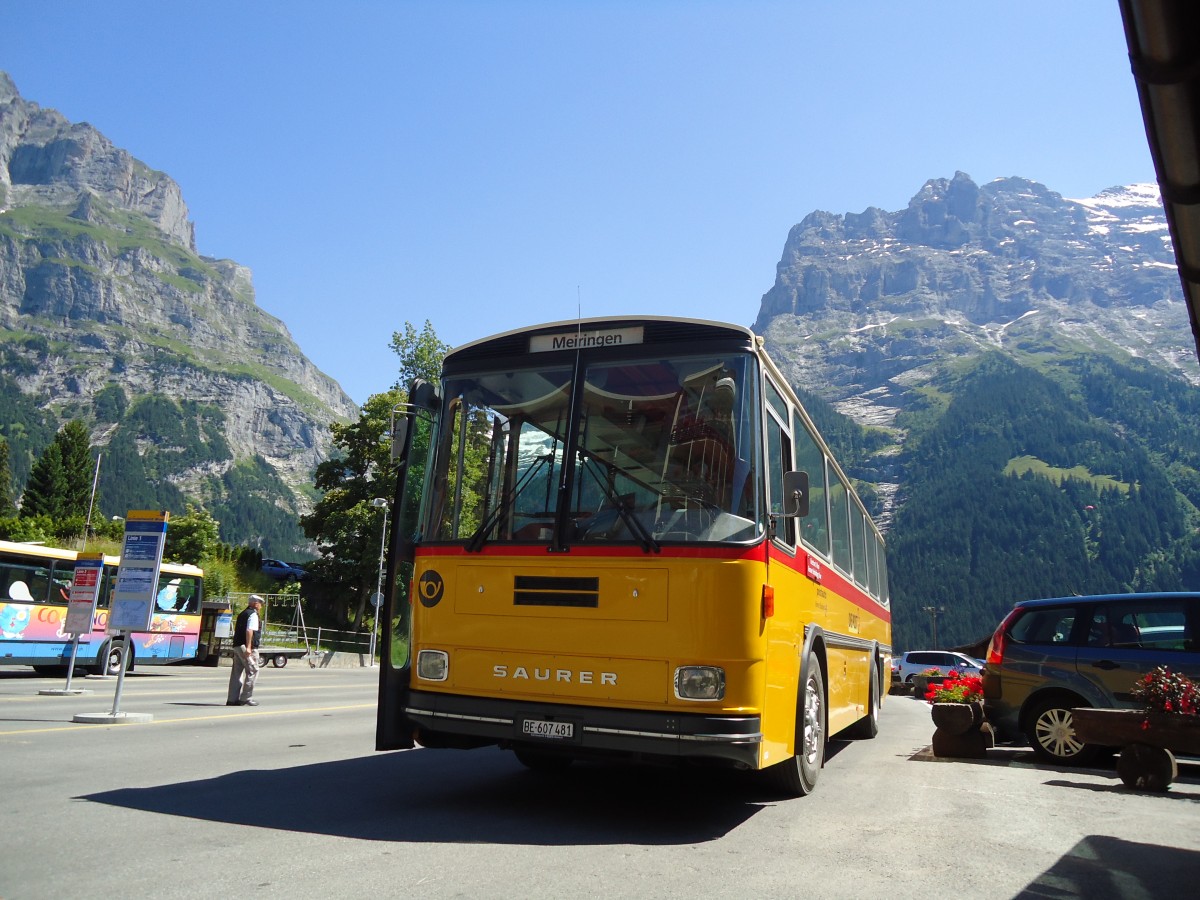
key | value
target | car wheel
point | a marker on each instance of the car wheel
(1051, 734)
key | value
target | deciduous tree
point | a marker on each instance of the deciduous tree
(346, 527)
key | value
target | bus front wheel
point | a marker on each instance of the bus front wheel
(797, 777)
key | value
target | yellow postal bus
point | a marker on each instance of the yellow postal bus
(631, 542)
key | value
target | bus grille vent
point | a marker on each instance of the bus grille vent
(536, 590)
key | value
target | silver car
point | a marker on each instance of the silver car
(914, 662)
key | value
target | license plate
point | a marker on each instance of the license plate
(540, 728)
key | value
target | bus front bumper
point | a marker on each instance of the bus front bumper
(451, 720)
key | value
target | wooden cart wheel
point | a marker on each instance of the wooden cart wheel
(1147, 768)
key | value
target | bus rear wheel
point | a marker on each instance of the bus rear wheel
(110, 658)
(868, 726)
(797, 777)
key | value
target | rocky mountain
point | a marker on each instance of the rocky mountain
(104, 298)
(1025, 369)
(862, 302)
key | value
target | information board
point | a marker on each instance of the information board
(137, 578)
(85, 591)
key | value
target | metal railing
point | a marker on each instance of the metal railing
(318, 639)
(283, 626)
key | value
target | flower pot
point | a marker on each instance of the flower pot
(1118, 727)
(957, 718)
(961, 730)
(921, 684)
(1148, 742)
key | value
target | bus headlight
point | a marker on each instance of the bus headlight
(433, 665)
(700, 683)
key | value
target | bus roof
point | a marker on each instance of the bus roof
(601, 321)
(41, 550)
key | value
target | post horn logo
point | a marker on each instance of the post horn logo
(431, 588)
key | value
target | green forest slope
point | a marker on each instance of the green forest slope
(1022, 481)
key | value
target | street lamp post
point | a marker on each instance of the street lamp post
(934, 611)
(377, 600)
(87, 526)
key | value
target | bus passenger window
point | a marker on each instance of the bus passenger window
(814, 528)
(779, 460)
(839, 521)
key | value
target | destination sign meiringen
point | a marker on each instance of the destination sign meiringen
(583, 340)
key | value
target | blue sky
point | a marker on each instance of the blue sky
(488, 165)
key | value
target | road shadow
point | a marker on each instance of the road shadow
(1107, 868)
(1189, 767)
(435, 796)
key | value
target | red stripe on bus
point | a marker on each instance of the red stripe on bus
(831, 578)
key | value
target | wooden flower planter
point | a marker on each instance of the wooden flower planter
(960, 730)
(1148, 742)
(921, 683)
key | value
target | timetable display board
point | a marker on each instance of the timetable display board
(137, 578)
(85, 591)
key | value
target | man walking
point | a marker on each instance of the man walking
(247, 634)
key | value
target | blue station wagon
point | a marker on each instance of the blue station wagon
(1051, 656)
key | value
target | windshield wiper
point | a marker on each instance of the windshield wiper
(479, 538)
(632, 522)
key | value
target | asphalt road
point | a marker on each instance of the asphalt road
(289, 800)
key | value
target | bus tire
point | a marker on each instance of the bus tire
(108, 662)
(797, 777)
(868, 726)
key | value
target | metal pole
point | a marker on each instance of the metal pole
(378, 580)
(92, 502)
(933, 615)
(71, 664)
(120, 674)
(87, 528)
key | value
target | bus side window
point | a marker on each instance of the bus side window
(19, 590)
(25, 579)
(62, 579)
(839, 521)
(779, 460)
(39, 585)
(189, 597)
(814, 528)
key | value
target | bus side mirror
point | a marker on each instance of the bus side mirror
(422, 398)
(795, 494)
(399, 433)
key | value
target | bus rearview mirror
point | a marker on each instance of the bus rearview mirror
(795, 494)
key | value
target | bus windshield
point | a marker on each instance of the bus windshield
(643, 450)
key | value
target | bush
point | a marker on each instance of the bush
(33, 528)
(956, 689)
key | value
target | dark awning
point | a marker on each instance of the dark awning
(1164, 52)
